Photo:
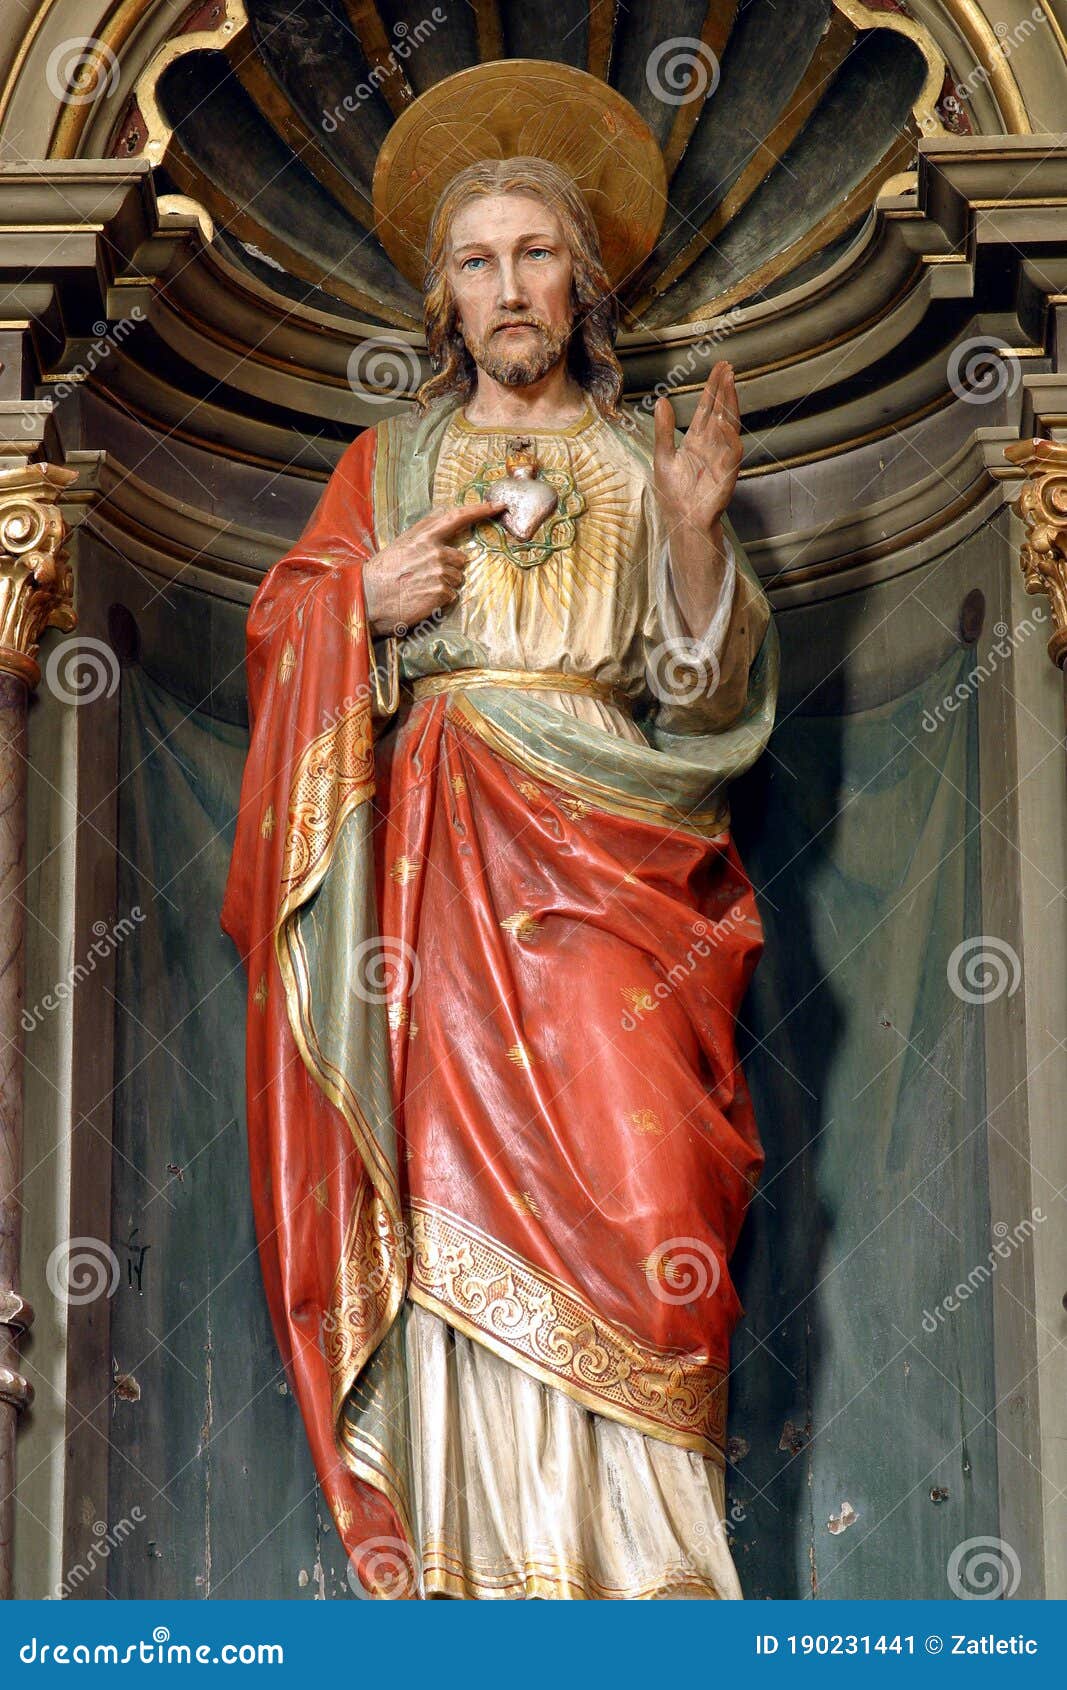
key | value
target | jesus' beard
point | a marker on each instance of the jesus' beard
(518, 369)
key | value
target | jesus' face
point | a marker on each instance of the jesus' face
(510, 271)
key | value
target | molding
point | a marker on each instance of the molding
(895, 534)
(975, 28)
(161, 534)
(1033, 78)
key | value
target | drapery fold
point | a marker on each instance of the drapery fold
(322, 1146)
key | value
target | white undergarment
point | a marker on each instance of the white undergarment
(519, 1491)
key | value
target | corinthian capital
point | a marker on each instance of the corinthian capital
(36, 589)
(1042, 505)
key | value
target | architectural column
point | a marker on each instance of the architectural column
(1042, 506)
(35, 594)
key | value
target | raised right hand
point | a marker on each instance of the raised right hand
(421, 570)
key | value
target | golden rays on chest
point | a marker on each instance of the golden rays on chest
(575, 552)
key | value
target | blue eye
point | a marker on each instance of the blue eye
(469, 263)
(538, 252)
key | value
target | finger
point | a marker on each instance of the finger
(705, 407)
(454, 558)
(447, 523)
(731, 405)
(663, 424)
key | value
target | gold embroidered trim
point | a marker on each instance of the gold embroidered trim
(365, 1293)
(448, 1573)
(334, 774)
(547, 1329)
(463, 423)
(368, 1287)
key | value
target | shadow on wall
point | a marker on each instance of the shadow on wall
(849, 1475)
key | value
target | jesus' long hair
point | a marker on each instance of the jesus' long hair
(591, 351)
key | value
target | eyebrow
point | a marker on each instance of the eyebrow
(539, 236)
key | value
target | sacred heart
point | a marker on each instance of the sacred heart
(527, 497)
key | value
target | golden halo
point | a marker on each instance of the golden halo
(522, 108)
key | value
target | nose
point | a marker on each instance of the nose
(511, 293)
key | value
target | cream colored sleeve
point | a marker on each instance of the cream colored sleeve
(700, 683)
(702, 654)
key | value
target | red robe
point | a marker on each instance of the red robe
(574, 1144)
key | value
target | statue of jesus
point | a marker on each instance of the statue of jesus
(498, 935)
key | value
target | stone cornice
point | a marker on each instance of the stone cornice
(844, 548)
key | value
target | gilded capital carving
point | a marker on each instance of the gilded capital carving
(1042, 505)
(36, 587)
